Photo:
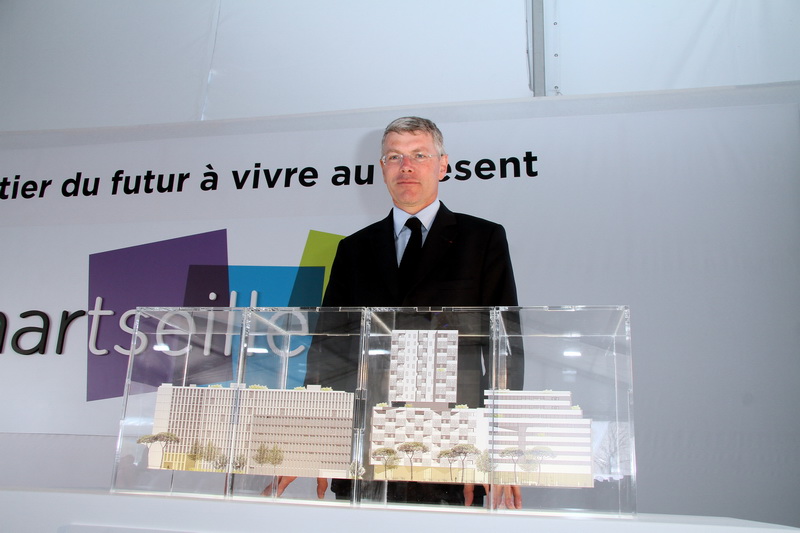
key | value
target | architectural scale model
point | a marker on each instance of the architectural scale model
(419, 433)
(301, 432)
(537, 437)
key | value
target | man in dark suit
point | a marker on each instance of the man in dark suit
(463, 261)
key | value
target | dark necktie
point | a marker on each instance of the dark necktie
(410, 260)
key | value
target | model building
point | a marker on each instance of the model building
(418, 433)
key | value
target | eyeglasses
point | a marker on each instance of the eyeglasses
(397, 159)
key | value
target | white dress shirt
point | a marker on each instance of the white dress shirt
(402, 233)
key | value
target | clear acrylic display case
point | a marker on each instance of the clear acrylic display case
(215, 402)
(566, 436)
(455, 407)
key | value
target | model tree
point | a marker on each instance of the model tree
(261, 454)
(147, 440)
(387, 456)
(613, 453)
(220, 461)
(239, 462)
(515, 453)
(274, 458)
(269, 456)
(196, 451)
(164, 438)
(450, 457)
(462, 451)
(485, 464)
(410, 449)
(532, 460)
(209, 453)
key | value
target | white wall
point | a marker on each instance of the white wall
(88, 63)
(95, 63)
(631, 45)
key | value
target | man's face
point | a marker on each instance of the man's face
(412, 184)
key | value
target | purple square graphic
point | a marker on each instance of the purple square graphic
(149, 275)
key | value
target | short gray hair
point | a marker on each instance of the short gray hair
(415, 125)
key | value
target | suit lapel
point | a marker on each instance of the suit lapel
(385, 254)
(441, 237)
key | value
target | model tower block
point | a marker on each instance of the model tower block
(423, 366)
(421, 420)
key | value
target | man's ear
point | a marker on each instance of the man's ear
(443, 162)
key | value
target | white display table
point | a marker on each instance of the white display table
(102, 512)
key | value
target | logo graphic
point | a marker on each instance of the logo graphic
(191, 271)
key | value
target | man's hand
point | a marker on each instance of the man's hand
(503, 496)
(283, 482)
(508, 496)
